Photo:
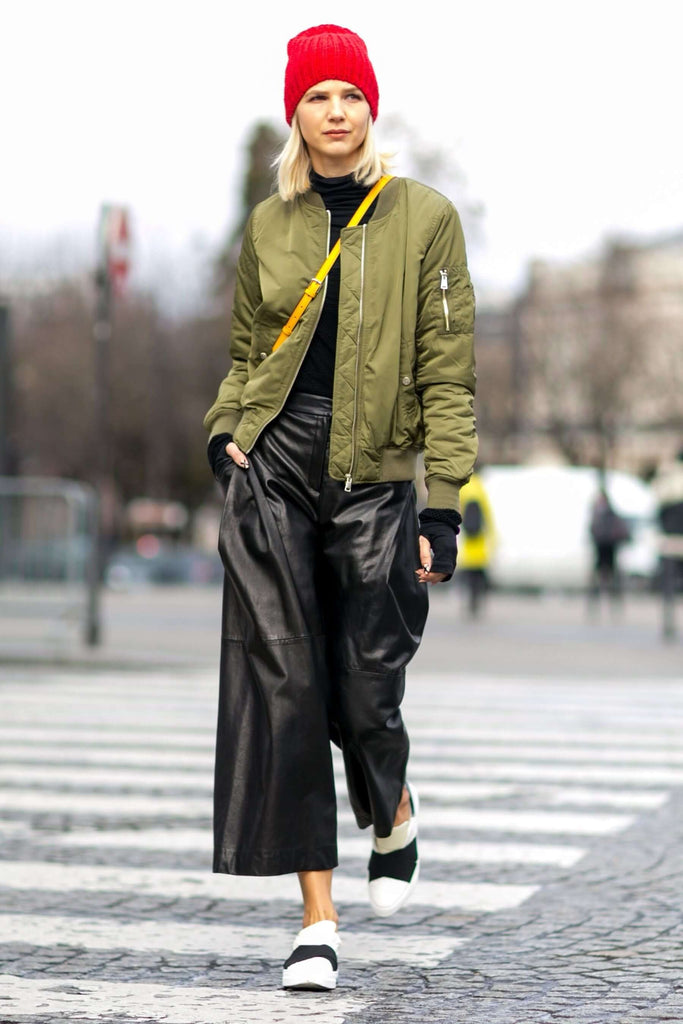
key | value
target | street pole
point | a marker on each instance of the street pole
(102, 331)
(110, 278)
(7, 459)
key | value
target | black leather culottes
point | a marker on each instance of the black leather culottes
(321, 613)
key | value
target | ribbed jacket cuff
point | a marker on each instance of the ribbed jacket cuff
(442, 493)
(226, 423)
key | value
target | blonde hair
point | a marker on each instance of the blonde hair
(294, 163)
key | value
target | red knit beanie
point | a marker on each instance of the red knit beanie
(328, 52)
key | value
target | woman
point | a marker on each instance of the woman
(314, 436)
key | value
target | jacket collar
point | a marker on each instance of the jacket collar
(385, 201)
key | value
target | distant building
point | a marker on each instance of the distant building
(587, 364)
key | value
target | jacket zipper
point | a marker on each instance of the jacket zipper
(444, 290)
(349, 475)
(315, 327)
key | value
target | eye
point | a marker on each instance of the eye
(353, 96)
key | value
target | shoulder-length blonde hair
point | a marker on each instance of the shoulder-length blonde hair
(294, 163)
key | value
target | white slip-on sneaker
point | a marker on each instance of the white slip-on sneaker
(313, 961)
(394, 866)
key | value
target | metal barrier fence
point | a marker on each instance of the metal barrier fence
(48, 555)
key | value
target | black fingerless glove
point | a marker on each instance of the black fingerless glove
(219, 460)
(441, 527)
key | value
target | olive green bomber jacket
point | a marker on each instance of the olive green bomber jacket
(404, 371)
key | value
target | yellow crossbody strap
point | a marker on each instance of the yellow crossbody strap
(315, 283)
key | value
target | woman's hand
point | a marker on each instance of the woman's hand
(237, 455)
(424, 573)
(223, 453)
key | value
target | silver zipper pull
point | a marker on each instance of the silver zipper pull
(349, 481)
(444, 289)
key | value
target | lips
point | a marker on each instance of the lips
(338, 131)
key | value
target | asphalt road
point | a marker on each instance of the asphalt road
(547, 747)
(546, 635)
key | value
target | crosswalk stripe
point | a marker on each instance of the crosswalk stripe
(127, 778)
(50, 710)
(515, 696)
(439, 738)
(540, 794)
(576, 735)
(645, 799)
(434, 851)
(18, 746)
(161, 760)
(170, 757)
(454, 688)
(236, 942)
(446, 766)
(104, 804)
(11, 827)
(481, 897)
(72, 997)
(511, 770)
(199, 840)
(522, 752)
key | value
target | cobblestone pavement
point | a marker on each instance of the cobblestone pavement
(551, 831)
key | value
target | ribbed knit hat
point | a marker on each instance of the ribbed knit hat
(328, 52)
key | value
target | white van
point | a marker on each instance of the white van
(542, 521)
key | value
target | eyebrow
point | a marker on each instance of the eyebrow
(325, 92)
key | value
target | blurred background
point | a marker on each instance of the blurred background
(137, 138)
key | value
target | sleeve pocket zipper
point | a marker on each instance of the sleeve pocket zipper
(444, 291)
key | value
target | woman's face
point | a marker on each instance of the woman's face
(333, 117)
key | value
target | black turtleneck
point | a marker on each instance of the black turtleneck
(342, 197)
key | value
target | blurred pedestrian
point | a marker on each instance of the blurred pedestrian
(608, 531)
(668, 489)
(477, 540)
(314, 436)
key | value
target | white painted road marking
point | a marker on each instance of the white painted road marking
(127, 778)
(539, 751)
(482, 897)
(434, 737)
(234, 942)
(544, 821)
(432, 850)
(442, 769)
(74, 997)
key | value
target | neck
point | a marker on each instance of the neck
(335, 167)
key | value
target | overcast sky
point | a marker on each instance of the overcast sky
(565, 117)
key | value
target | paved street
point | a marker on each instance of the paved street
(551, 839)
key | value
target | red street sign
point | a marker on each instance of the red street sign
(114, 245)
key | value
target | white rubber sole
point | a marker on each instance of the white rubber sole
(316, 974)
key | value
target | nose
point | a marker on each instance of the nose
(335, 111)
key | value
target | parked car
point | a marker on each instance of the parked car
(164, 564)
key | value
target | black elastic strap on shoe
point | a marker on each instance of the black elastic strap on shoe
(308, 952)
(399, 864)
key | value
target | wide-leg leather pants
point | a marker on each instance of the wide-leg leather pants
(321, 613)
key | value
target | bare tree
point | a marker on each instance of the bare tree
(583, 329)
(265, 141)
(435, 166)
